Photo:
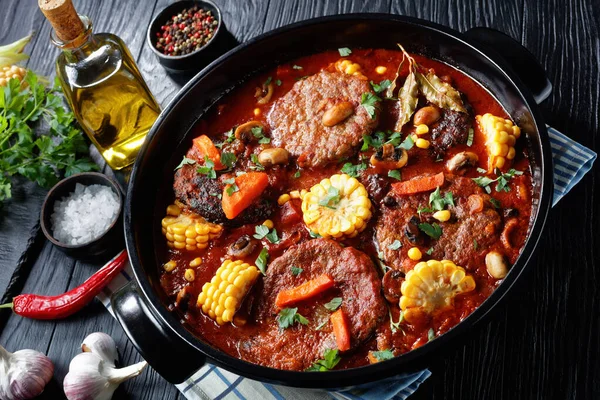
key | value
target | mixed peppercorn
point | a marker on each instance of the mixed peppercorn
(186, 32)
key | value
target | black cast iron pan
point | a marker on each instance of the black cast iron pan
(140, 307)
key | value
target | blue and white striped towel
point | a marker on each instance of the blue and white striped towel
(571, 162)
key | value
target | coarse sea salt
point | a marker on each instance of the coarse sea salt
(85, 214)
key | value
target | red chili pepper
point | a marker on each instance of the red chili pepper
(64, 305)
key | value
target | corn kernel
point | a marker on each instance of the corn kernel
(422, 129)
(170, 266)
(414, 254)
(442, 216)
(352, 68)
(196, 262)
(257, 112)
(189, 275)
(284, 198)
(173, 210)
(422, 143)
(380, 70)
(295, 194)
(268, 223)
(511, 153)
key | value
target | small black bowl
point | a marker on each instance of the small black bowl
(197, 59)
(109, 242)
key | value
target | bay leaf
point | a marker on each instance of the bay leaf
(407, 99)
(439, 92)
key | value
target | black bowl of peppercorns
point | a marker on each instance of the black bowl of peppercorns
(184, 36)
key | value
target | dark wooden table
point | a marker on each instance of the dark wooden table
(544, 342)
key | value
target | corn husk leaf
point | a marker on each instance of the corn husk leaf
(11, 54)
(439, 92)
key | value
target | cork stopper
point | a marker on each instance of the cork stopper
(63, 17)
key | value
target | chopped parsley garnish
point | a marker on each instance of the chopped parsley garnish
(408, 143)
(383, 355)
(272, 236)
(334, 304)
(375, 141)
(332, 198)
(502, 180)
(470, 138)
(322, 324)
(296, 270)
(369, 101)
(258, 133)
(257, 165)
(296, 67)
(481, 170)
(331, 358)
(434, 231)
(495, 202)
(302, 77)
(430, 335)
(261, 261)
(228, 159)
(428, 252)
(395, 245)
(353, 170)
(232, 188)
(297, 174)
(344, 51)
(394, 326)
(217, 195)
(260, 232)
(396, 174)
(314, 235)
(185, 161)
(269, 79)
(438, 203)
(475, 244)
(381, 86)
(396, 139)
(289, 316)
(278, 82)
(208, 169)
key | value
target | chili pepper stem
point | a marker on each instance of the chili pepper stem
(7, 305)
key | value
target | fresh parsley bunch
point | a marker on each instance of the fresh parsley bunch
(39, 158)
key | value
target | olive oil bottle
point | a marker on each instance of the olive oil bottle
(102, 85)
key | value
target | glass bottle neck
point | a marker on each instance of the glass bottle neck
(80, 47)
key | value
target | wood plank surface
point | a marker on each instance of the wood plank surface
(543, 342)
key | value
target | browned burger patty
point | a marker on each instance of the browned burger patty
(296, 118)
(203, 196)
(356, 282)
(399, 220)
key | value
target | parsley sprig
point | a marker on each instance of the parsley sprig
(331, 358)
(289, 316)
(369, 102)
(437, 202)
(502, 179)
(41, 159)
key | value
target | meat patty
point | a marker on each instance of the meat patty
(451, 129)
(297, 347)
(203, 196)
(457, 243)
(296, 118)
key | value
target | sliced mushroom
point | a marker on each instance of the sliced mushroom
(183, 298)
(496, 265)
(388, 157)
(263, 95)
(461, 160)
(337, 113)
(509, 228)
(244, 131)
(273, 156)
(412, 231)
(392, 280)
(242, 247)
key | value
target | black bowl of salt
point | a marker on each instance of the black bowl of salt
(82, 216)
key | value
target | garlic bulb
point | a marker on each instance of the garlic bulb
(92, 374)
(23, 374)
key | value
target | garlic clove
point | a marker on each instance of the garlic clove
(103, 345)
(23, 374)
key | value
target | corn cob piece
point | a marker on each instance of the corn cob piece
(337, 207)
(187, 231)
(222, 297)
(501, 135)
(432, 285)
(14, 72)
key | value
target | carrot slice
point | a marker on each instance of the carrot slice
(418, 185)
(340, 330)
(250, 186)
(304, 291)
(207, 148)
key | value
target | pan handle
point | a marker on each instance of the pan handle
(163, 349)
(522, 62)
